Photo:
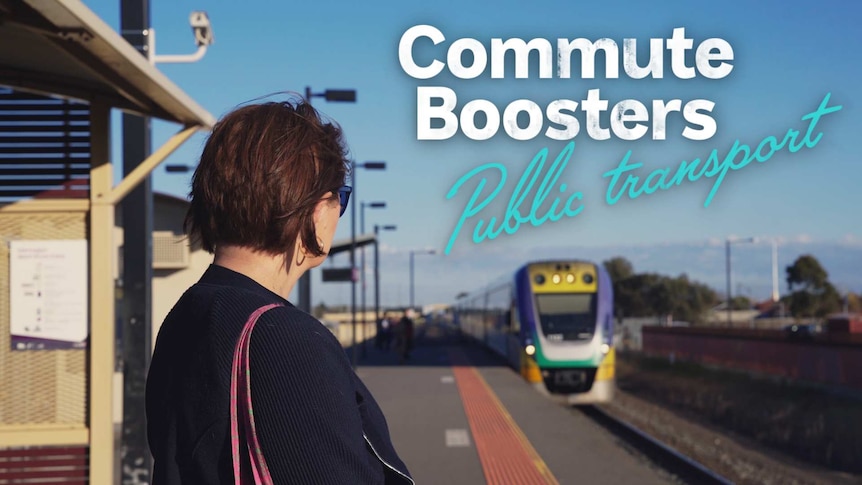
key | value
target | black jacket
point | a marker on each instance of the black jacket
(316, 421)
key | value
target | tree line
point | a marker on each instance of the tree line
(651, 294)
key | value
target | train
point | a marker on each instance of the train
(553, 322)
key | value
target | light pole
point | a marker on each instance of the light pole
(775, 294)
(353, 167)
(335, 95)
(729, 295)
(178, 168)
(413, 252)
(377, 230)
(362, 206)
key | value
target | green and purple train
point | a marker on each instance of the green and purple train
(553, 322)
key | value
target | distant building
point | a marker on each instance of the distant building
(717, 316)
(770, 309)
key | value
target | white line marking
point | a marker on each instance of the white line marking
(457, 438)
(447, 379)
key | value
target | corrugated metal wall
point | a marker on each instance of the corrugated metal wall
(832, 360)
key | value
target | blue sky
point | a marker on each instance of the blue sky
(787, 56)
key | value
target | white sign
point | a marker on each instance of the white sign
(49, 290)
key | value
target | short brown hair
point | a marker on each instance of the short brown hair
(260, 176)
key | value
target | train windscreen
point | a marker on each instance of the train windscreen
(567, 316)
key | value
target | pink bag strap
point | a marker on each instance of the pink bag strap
(240, 405)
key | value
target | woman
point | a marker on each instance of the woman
(266, 199)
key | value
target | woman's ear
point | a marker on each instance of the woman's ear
(320, 209)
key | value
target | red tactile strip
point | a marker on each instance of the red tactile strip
(506, 455)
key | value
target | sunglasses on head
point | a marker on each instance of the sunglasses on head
(344, 197)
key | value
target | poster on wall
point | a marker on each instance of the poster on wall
(48, 294)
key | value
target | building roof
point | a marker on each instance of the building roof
(62, 48)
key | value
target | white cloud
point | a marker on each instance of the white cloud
(851, 240)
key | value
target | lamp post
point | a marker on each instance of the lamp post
(362, 206)
(775, 293)
(377, 230)
(412, 253)
(729, 295)
(338, 96)
(176, 168)
(353, 167)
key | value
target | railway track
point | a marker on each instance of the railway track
(676, 463)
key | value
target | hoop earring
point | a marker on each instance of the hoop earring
(300, 261)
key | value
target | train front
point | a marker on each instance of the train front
(566, 310)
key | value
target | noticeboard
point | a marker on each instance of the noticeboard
(48, 288)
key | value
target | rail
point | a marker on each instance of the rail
(680, 465)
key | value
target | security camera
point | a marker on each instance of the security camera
(200, 23)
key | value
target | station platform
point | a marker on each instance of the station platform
(459, 416)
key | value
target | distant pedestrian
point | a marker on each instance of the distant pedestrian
(378, 337)
(384, 332)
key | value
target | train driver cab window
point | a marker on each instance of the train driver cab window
(567, 316)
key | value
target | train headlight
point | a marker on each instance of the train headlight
(605, 349)
(570, 278)
(556, 279)
(539, 279)
(588, 278)
(530, 349)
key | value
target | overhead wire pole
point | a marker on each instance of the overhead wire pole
(136, 305)
(727, 267)
(775, 296)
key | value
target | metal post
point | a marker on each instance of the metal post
(775, 295)
(727, 257)
(376, 276)
(362, 272)
(137, 210)
(305, 292)
(353, 168)
(411, 279)
(304, 286)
